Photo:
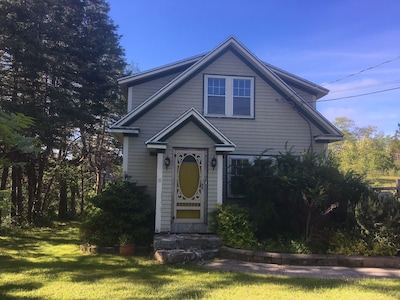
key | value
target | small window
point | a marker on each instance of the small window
(229, 96)
(235, 172)
(236, 165)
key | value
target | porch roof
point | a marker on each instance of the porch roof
(222, 143)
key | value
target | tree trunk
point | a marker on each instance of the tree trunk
(20, 203)
(63, 204)
(82, 192)
(31, 174)
(13, 211)
(3, 184)
(74, 192)
(99, 181)
(16, 195)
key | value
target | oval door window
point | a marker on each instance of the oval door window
(189, 176)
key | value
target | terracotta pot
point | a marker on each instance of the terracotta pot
(127, 250)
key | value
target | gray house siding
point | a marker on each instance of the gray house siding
(142, 91)
(141, 166)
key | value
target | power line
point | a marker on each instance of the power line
(353, 96)
(366, 86)
(362, 71)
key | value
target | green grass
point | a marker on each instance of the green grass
(47, 264)
(384, 181)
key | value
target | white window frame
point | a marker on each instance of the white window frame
(229, 96)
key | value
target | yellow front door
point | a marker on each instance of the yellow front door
(189, 185)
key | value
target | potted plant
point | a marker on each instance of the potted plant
(126, 245)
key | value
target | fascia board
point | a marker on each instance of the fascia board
(321, 91)
(141, 75)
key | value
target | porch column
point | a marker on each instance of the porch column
(160, 164)
(125, 156)
(220, 167)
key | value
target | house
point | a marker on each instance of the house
(191, 124)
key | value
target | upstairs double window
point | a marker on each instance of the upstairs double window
(229, 96)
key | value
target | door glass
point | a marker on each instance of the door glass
(189, 176)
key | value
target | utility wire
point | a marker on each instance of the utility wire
(362, 71)
(353, 96)
(366, 86)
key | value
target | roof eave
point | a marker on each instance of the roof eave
(328, 138)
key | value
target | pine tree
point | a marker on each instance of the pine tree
(59, 60)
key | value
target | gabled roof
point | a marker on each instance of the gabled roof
(266, 71)
(175, 67)
(222, 143)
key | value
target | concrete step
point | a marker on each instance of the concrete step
(186, 241)
(184, 248)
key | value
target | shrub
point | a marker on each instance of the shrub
(347, 243)
(351, 243)
(283, 244)
(379, 222)
(300, 195)
(231, 223)
(123, 208)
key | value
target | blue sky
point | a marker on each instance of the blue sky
(327, 42)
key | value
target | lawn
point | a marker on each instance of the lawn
(385, 181)
(47, 264)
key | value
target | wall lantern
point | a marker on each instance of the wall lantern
(213, 162)
(167, 162)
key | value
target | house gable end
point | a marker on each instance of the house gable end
(192, 115)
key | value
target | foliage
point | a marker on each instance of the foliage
(126, 239)
(12, 137)
(347, 243)
(300, 195)
(231, 223)
(379, 221)
(59, 61)
(377, 232)
(284, 244)
(365, 150)
(123, 208)
(353, 243)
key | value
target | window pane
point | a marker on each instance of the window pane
(216, 105)
(216, 86)
(241, 106)
(241, 87)
(236, 176)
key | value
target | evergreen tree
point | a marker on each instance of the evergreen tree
(59, 60)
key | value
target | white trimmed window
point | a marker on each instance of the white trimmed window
(229, 96)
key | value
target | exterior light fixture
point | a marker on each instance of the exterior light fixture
(213, 162)
(167, 162)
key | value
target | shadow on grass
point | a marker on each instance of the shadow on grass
(34, 255)
(7, 289)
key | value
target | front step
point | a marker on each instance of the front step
(184, 248)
